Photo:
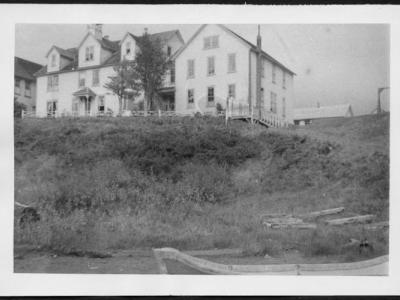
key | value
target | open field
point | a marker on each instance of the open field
(113, 185)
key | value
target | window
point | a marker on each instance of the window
(128, 48)
(96, 79)
(210, 66)
(210, 94)
(273, 102)
(231, 91)
(89, 54)
(190, 68)
(17, 85)
(284, 80)
(53, 60)
(173, 74)
(169, 50)
(262, 97)
(28, 89)
(51, 108)
(284, 107)
(273, 74)
(211, 42)
(52, 83)
(82, 79)
(101, 105)
(190, 96)
(232, 63)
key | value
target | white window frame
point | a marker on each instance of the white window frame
(101, 103)
(82, 78)
(190, 97)
(209, 59)
(233, 95)
(283, 107)
(232, 58)
(190, 62)
(52, 83)
(52, 112)
(273, 107)
(211, 42)
(128, 49)
(284, 80)
(89, 53)
(210, 103)
(273, 73)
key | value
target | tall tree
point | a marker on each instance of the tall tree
(125, 79)
(151, 64)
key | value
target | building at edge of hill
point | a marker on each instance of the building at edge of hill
(215, 64)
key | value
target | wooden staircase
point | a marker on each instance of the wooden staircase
(258, 115)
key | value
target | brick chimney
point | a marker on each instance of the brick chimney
(96, 30)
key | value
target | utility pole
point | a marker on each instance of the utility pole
(380, 90)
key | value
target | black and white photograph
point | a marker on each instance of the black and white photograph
(202, 148)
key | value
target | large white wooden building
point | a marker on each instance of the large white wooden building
(214, 65)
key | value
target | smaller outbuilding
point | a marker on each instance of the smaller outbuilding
(305, 116)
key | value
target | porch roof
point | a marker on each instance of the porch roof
(85, 92)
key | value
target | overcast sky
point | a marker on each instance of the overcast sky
(334, 64)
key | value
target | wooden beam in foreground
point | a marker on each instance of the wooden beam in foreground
(351, 220)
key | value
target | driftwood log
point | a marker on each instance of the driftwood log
(351, 220)
(301, 225)
(378, 225)
(326, 212)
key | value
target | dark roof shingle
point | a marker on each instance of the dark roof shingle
(113, 46)
(24, 68)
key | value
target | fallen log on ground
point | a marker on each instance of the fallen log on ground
(351, 220)
(377, 225)
(301, 225)
(316, 214)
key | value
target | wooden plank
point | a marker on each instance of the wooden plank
(22, 205)
(291, 225)
(375, 266)
(326, 212)
(351, 220)
(215, 252)
(377, 225)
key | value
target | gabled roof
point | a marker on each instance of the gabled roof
(112, 46)
(25, 69)
(342, 110)
(163, 36)
(65, 53)
(249, 44)
(84, 92)
(166, 36)
(104, 43)
(128, 34)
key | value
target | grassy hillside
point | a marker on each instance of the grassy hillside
(193, 183)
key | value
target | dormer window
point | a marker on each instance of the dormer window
(53, 60)
(169, 50)
(128, 48)
(211, 42)
(89, 53)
